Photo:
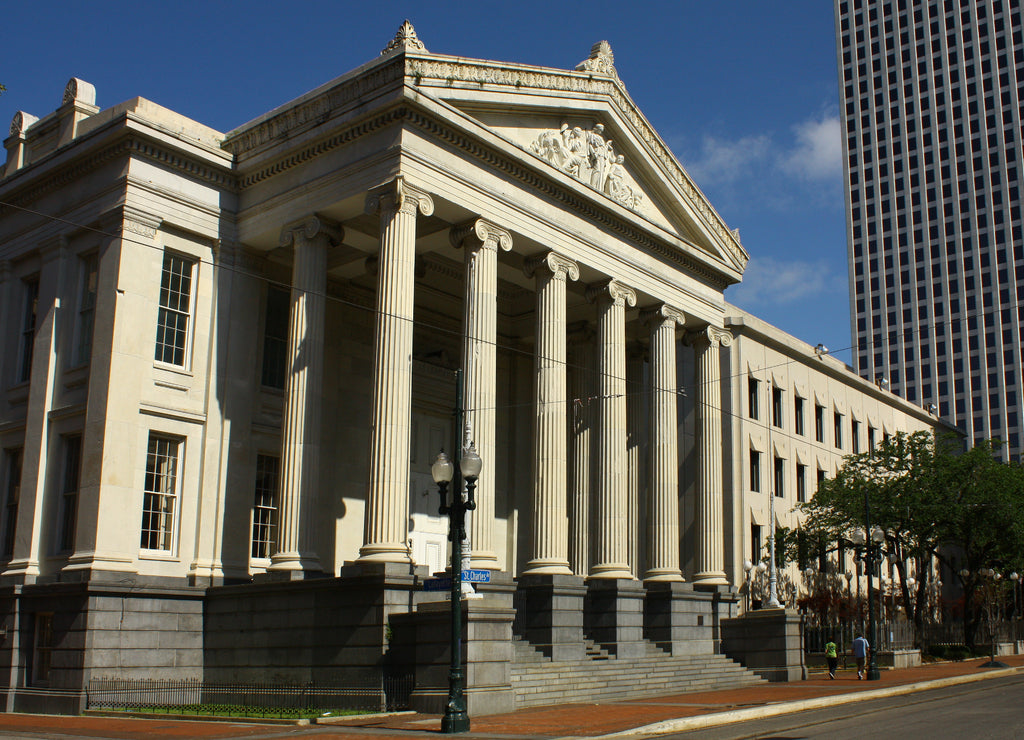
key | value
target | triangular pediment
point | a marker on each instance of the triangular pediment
(582, 123)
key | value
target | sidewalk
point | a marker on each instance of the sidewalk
(634, 717)
(689, 711)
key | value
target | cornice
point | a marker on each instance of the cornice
(131, 145)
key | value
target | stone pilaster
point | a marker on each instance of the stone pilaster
(386, 529)
(300, 433)
(710, 561)
(663, 489)
(581, 421)
(481, 240)
(610, 547)
(550, 545)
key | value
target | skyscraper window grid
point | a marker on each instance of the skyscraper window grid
(932, 137)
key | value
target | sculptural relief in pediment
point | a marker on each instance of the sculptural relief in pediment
(591, 159)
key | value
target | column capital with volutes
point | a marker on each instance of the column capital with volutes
(663, 312)
(480, 234)
(560, 266)
(310, 228)
(710, 336)
(617, 293)
(400, 196)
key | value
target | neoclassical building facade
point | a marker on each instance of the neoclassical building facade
(229, 361)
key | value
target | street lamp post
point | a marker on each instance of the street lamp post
(456, 719)
(870, 539)
(747, 567)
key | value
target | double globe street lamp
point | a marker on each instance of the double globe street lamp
(444, 472)
(870, 542)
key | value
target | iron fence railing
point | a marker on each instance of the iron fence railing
(195, 696)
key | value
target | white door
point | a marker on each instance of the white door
(428, 530)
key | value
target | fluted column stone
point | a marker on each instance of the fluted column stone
(481, 241)
(610, 546)
(710, 563)
(581, 421)
(550, 542)
(386, 530)
(636, 506)
(300, 434)
(663, 489)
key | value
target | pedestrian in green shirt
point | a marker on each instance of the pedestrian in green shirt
(832, 657)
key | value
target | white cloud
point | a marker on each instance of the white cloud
(769, 281)
(818, 154)
(721, 161)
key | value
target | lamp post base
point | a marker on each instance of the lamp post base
(455, 721)
(873, 674)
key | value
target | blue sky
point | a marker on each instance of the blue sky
(744, 92)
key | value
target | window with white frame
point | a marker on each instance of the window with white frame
(69, 492)
(86, 308)
(264, 508)
(13, 466)
(173, 328)
(160, 498)
(29, 319)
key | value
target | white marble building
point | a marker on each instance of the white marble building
(228, 363)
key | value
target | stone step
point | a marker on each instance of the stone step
(542, 683)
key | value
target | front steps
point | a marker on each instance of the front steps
(538, 682)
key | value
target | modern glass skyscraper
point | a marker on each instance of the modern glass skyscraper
(935, 160)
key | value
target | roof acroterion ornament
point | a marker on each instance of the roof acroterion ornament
(601, 60)
(405, 40)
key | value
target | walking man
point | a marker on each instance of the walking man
(861, 649)
(831, 657)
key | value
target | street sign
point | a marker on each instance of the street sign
(444, 583)
(438, 584)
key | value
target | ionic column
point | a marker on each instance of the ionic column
(710, 564)
(610, 547)
(550, 548)
(386, 528)
(481, 240)
(663, 492)
(581, 416)
(300, 433)
(635, 503)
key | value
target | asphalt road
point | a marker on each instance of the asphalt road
(986, 710)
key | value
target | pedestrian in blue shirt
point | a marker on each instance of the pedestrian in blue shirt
(861, 650)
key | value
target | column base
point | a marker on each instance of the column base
(549, 614)
(384, 553)
(613, 615)
(710, 578)
(293, 566)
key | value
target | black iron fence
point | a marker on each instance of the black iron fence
(194, 696)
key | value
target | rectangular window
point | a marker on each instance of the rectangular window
(264, 508)
(871, 437)
(780, 477)
(819, 423)
(855, 436)
(821, 477)
(160, 498)
(755, 470)
(777, 407)
(28, 327)
(755, 544)
(69, 491)
(275, 338)
(752, 392)
(173, 322)
(86, 309)
(801, 483)
(11, 501)
(798, 415)
(837, 429)
(42, 647)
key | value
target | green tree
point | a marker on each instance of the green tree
(933, 501)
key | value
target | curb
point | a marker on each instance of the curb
(774, 710)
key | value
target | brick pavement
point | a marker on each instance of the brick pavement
(580, 720)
